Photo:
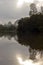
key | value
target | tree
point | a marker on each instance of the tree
(30, 31)
(33, 9)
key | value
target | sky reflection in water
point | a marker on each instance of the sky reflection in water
(8, 51)
(12, 53)
(39, 61)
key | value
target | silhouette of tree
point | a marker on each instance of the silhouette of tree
(30, 31)
(33, 9)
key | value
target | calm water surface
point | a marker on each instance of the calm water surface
(13, 53)
(10, 50)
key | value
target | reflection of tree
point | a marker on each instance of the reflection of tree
(36, 44)
(36, 41)
(7, 34)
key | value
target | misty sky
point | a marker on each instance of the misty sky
(9, 10)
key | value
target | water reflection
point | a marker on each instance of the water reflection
(9, 49)
(32, 39)
(34, 44)
(35, 41)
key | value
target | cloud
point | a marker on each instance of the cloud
(8, 10)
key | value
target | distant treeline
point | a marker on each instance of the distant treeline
(6, 28)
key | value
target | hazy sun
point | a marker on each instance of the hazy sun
(21, 2)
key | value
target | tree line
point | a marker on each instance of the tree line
(7, 27)
(29, 29)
